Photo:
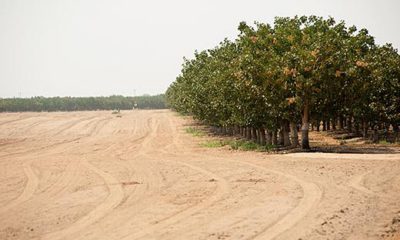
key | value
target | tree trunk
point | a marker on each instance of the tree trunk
(375, 137)
(257, 136)
(275, 137)
(323, 125)
(328, 124)
(254, 134)
(395, 131)
(357, 127)
(261, 132)
(318, 125)
(235, 130)
(305, 143)
(341, 122)
(387, 132)
(334, 124)
(248, 133)
(349, 124)
(280, 138)
(365, 129)
(269, 137)
(294, 135)
(285, 130)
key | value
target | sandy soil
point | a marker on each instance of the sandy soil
(93, 175)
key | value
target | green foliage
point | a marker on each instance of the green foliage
(302, 69)
(384, 142)
(195, 132)
(248, 146)
(38, 104)
(236, 144)
(212, 144)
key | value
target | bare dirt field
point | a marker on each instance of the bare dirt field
(94, 175)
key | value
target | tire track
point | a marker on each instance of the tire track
(150, 148)
(222, 189)
(31, 185)
(116, 193)
(72, 124)
(40, 149)
(33, 181)
(15, 120)
(357, 183)
(312, 195)
(147, 174)
(114, 198)
(63, 142)
(60, 186)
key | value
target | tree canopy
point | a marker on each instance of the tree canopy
(301, 70)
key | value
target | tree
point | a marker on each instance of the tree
(303, 69)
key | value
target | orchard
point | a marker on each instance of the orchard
(275, 82)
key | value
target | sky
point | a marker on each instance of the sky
(128, 47)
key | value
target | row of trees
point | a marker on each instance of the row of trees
(303, 70)
(38, 104)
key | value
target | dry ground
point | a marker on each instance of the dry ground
(93, 175)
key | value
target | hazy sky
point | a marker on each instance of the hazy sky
(100, 47)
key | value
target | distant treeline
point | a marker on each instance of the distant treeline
(38, 104)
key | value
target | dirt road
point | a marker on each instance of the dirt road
(93, 175)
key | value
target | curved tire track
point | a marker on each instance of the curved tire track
(357, 183)
(222, 190)
(30, 188)
(312, 195)
(114, 198)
